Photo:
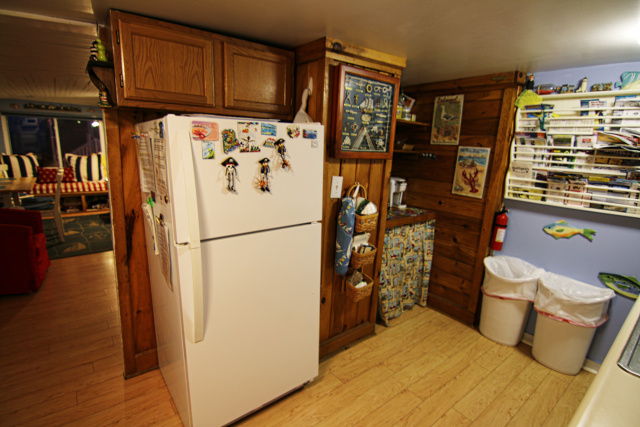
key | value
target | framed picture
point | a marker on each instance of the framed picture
(447, 116)
(471, 171)
(364, 115)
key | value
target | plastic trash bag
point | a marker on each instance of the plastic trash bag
(576, 302)
(510, 277)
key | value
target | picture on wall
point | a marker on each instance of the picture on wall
(364, 113)
(447, 117)
(471, 171)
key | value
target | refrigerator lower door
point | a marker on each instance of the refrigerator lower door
(167, 317)
(261, 313)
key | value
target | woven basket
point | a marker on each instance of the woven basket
(358, 260)
(356, 294)
(363, 222)
(366, 222)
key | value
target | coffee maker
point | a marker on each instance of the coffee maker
(396, 190)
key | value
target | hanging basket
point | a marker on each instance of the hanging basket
(358, 260)
(357, 294)
(363, 222)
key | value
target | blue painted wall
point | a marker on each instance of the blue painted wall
(615, 249)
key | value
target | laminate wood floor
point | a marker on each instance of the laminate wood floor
(61, 364)
(61, 357)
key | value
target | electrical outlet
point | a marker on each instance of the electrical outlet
(336, 187)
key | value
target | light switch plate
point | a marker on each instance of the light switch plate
(336, 187)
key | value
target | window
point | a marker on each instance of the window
(38, 135)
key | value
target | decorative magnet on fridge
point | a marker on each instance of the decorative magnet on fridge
(262, 182)
(230, 173)
(293, 131)
(229, 141)
(268, 129)
(282, 152)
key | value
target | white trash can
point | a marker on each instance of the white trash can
(509, 286)
(568, 314)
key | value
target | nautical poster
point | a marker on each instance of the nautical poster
(367, 110)
(447, 116)
(471, 171)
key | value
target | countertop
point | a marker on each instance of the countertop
(613, 398)
(397, 217)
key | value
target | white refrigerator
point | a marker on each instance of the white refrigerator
(234, 253)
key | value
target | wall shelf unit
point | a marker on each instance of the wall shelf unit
(403, 122)
(579, 151)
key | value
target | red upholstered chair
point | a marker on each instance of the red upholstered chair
(23, 251)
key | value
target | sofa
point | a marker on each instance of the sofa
(24, 260)
(84, 176)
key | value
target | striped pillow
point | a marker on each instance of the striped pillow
(21, 166)
(87, 168)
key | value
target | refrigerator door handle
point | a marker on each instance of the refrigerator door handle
(194, 241)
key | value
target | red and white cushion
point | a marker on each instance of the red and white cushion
(71, 187)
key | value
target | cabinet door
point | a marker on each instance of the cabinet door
(258, 79)
(163, 63)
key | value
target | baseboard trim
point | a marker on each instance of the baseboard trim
(589, 365)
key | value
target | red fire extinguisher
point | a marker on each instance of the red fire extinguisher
(499, 229)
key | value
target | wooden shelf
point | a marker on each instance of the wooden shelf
(411, 123)
(102, 75)
(430, 156)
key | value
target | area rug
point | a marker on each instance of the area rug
(82, 235)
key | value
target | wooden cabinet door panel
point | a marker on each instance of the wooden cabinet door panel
(258, 80)
(166, 65)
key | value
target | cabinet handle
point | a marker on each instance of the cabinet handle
(118, 36)
(121, 80)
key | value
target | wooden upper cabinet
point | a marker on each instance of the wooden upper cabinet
(258, 78)
(161, 62)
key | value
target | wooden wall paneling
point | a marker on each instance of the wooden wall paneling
(331, 208)
(342, 308)
(464, 224)
(375, 190)
(495, 183)
(139, 345)
(120, 250)
(341, 320)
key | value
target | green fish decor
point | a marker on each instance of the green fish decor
(628, 286)
(560, 229)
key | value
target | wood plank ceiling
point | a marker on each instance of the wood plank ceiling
(43, 53)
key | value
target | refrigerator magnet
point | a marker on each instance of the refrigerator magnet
(230, 173)
(208, 150)
(262, 183)
(282, 152)
(269, 142)
(248, 144)
(309, 133)
(204, 131)
(268, 129)
(229, 141)
(293, 131)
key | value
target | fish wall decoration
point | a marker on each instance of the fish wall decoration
(628, 286)
(560, 229)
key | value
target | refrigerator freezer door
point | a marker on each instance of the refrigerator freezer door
(261, 337)
(295, 193)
